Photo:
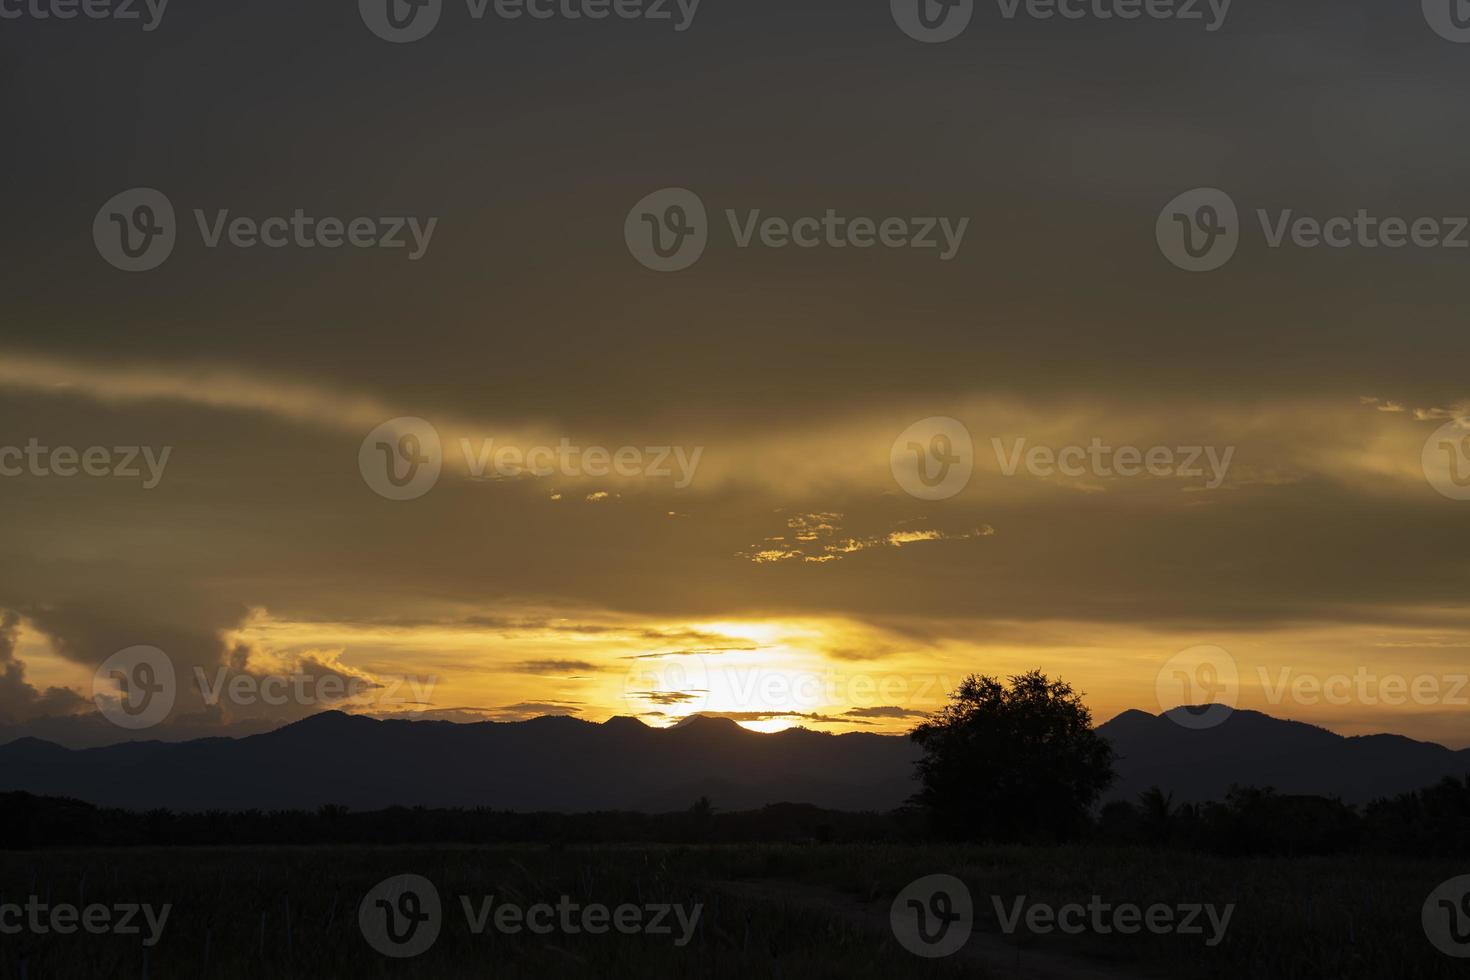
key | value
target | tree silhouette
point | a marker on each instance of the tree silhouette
(1157, 811)
(1017, 762)
(703, 811)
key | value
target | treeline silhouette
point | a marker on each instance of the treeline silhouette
(28, 821)
(1432, 822)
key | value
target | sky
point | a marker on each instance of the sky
(766, 552)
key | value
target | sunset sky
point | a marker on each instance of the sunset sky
(793, 580)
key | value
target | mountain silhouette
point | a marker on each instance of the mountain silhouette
(1253, 749)
(566, 764)
(548, 763)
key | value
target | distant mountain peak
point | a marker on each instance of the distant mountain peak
(324, 721)
(556, 721)
(30, 743)
(1132, 716)
(713, 723)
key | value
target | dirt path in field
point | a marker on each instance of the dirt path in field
(997, 956)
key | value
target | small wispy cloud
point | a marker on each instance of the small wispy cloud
(885, 711)
(555, 667)
(1381, 404)
(805, 716)
(817, 540)
(669, 698)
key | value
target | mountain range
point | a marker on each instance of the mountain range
(1254, 749)
(552, 763)
(570, 765)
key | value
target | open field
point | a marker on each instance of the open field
(777, 910)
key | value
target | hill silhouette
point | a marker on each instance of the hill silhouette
(548, 763)
(570, 765)
(1254, 749)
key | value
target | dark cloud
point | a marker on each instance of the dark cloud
(19, 700)
(533, 709)
(885, 711)
(670, 697)
(556, 667)
(799, 716)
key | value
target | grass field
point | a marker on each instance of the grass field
(286, 912)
